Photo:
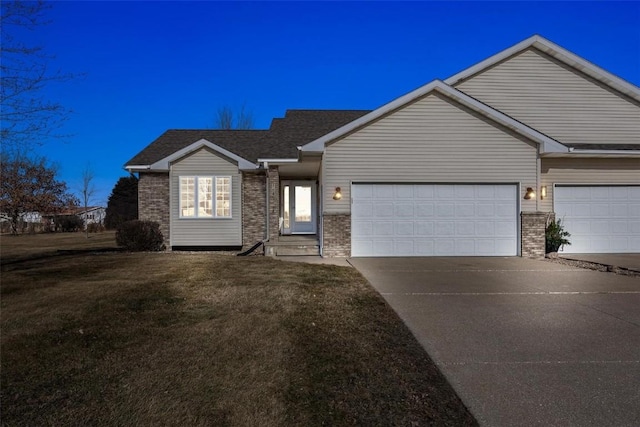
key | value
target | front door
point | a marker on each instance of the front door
(299, 207)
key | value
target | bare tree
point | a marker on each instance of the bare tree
(27, 117)
(30, 185)
(226, 118)
(87, 192)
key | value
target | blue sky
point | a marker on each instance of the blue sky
(151, 66)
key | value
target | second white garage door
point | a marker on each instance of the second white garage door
(434, 220)
(601, 219)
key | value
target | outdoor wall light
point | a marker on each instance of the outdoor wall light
(543, 192)
(530, 194)
(338, 194)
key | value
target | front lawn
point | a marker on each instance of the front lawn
(202, 339)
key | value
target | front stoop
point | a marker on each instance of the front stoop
(294, 245)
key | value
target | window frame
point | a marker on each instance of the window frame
(195, 195)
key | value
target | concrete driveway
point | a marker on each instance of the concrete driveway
(523, 342)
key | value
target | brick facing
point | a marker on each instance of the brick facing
(253, 208)
(336, 235)
(274, 203)
(153, 200)
(533, 226)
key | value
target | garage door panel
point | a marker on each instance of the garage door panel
(599, 218)
(465, 210)
(424, 248)
(404, 247)
(362, 210)
(433, 219)
(445, 209)
(425, 210)
(383, 210)
(404, 192)
(363, 228)
(383, 191)
(485, 228)
(425, 192)
(404, 210)
(382, 228)
(404, 229)
(424, 228)
(466, 229)
(464, 192)
(465, 247)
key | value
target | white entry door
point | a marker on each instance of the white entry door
(299, 207)
(600, 218)
(434, 220)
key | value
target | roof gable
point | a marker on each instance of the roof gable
(559, 53)
(547, 144)
(163, 164)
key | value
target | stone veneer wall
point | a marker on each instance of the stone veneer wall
(336, 231)
(254, 208)
(153, 200)
(533, 226)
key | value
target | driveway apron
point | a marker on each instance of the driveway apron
(523, 342)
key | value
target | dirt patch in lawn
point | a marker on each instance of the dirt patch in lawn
(203, 339)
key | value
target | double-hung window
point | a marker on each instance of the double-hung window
(205, 197)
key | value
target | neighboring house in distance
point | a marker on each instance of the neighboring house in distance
(473, 165)
(90, 215)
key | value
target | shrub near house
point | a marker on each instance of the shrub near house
(137, 236)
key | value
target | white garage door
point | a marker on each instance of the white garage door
(434, 220)
(601, 219)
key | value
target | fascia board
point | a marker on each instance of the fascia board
(597, 153)
(560, 54)
(278, 160)
(163, 164)
(137, 167)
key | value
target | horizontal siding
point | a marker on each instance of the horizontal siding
(206, 232)
(586, 171)
(429, 141)
(557, 101)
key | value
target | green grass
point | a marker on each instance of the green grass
(204, 339)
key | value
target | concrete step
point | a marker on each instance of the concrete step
(295, 245)
(297, 250)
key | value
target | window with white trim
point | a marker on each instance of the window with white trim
(197, 197)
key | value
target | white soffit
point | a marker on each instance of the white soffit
(163, 164)
(559, 53)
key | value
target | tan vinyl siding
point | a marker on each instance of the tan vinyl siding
(206, 231)
(429, 141)
(557, 101)
(587, 171)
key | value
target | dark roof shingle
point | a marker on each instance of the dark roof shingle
(298, 127)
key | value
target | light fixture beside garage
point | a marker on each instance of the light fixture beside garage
(530, 194)
(543, 192)
(338, 194)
